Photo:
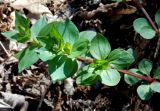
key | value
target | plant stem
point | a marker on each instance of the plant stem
(152, 24)
(86, 60)
(146, 78)
(147, 16)
(8, 55)
(149, 19)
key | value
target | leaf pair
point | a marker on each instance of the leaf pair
(100, 49)
(88, 76)
(142, 26)
(144, 68)
(105, 60)
(22, 32)
(145, 90)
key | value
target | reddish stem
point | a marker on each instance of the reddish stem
(147, 16)
(146, 78)
(149, 19)
(153, 26)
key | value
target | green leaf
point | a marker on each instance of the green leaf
(67, 48)
(132, 52)
(62, 67)
(147, 32)
(145, 66)
(21, 21)
(68, 31)
(157, 17)
(110, 77)
(44, 54)
(130, 79)
(157, 73)
(155, 86)
(99, 64)
(45, 31)
(100, 47)
(87, 76)
(139, 23)
(24, 36)
(46, 42)
(142, 26)
(22, 33)
(12, 35)
(144, 92)
(26, 58)
(36, 28)
(80, 47)
(87, 35)
(120, 58)
(50, 38)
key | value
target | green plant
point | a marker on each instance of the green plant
(146, 88)
(60, 45)
(144, 28)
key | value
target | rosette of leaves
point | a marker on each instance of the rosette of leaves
(105, 64)
(145, 89)
(142, 26)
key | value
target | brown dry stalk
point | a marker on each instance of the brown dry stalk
(8, 55)
(102, 8)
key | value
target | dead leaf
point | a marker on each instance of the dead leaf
(68, 86)
(13, 99)
(34, 6)
(128, 10)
